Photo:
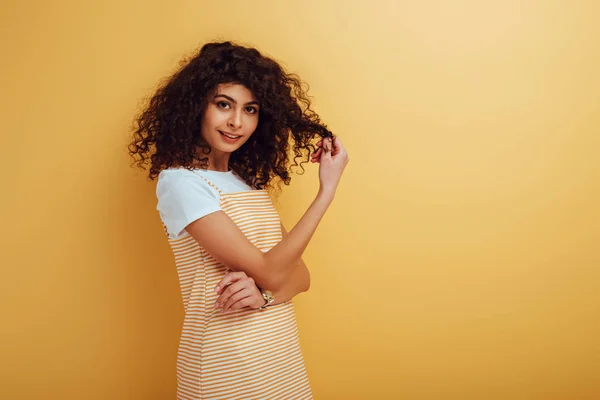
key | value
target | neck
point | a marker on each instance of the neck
(218, 161)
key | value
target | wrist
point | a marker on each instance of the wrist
(268, 298)
(326, 193)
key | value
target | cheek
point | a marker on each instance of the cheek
(212, 119)
(252, 124)
(205, 129)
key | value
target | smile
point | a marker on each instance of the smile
(229, 135)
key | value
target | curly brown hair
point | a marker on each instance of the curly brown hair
(167, 132)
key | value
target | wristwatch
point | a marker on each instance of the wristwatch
(268, 296)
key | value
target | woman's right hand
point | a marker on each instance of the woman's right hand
(332, 158)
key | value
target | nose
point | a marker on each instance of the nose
(235, 120)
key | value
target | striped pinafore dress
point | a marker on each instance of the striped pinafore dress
(243, 354)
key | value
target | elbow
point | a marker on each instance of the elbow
(301, 280)
(307, 285)
(305, 280)
(274, 281)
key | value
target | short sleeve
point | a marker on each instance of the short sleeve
(183, 197)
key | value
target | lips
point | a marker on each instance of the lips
(230, 135)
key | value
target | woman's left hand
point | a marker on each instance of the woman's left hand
(237, 290)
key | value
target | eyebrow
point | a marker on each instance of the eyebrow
(235, 102)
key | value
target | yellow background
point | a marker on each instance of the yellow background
(459, 260)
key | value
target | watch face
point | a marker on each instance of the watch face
(268, 296)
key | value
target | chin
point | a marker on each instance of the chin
(226, 147)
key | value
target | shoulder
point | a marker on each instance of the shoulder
(175, 174)
(175, 181)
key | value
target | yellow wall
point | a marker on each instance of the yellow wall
(459, 261)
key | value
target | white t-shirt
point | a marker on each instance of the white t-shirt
(183, 196)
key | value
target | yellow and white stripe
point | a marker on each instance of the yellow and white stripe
(244, 354)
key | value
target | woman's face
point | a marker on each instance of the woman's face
(230, 118)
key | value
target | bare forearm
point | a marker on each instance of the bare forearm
(298, 282)
(288, 251)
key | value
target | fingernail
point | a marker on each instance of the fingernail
(216, 304)
(217, 289)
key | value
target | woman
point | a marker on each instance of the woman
(217, 135)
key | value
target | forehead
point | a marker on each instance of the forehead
(236, 91)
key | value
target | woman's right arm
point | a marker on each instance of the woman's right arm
(222, 238)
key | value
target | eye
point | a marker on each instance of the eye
(251, 110)
(223, 104)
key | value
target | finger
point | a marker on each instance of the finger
(340, 149)
(229, 278)
(317, 156)
(326, 154)
(230, 291)
(245, 302)
(335, 147)
(327, 145)
(317, 153)
(236, 297)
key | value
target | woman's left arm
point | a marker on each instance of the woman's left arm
(298, 282)
(241, 290)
